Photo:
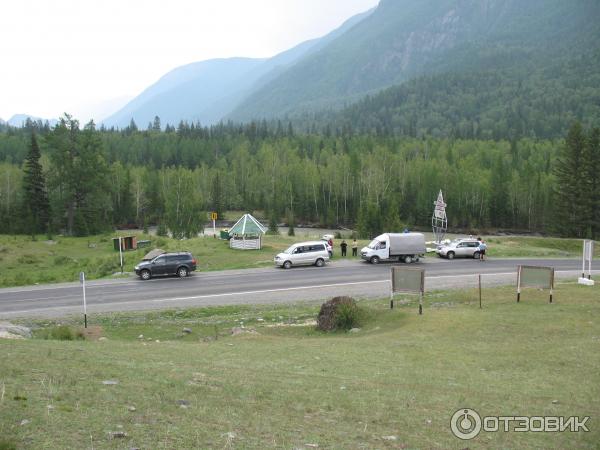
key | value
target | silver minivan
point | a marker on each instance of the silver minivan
(303, 254)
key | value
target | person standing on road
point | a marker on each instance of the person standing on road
(343, 246)
(482, 249)
(354, 247)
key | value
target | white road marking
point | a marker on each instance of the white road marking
(229, 294)
(265, 291)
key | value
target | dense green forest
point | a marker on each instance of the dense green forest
(97, 179)
(536, 101)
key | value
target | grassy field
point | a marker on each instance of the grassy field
(24, 261)
(393, 384)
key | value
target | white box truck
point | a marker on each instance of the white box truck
(407, 247)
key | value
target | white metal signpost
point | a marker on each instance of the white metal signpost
(439, 221)
(588, 254)
(213, 216)
(82, 281)
(121, 252)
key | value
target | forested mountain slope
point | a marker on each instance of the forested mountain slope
(493, 104)
(521, 42)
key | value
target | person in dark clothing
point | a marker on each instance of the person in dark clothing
(354, 247)
(343, 246)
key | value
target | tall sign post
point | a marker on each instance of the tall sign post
(214, 216)
(121, 252)
(588, 254)
(439, 221)
(82, 281)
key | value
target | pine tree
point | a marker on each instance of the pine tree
(569, 189)
(156, 124)
(217, 195)
(36, 206)
(273, 228)
(132, 128)
(591, 180)
(80, 174)
(291, 231)
(499, 194)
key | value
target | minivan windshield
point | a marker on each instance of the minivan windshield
(290, 250)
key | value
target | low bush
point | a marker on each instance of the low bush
(101, 267)
(61, 333)
(7, 444)
(28, 258)
(347, 316)
(62, 260)
(339, 313)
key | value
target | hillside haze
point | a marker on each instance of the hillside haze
(206, 91)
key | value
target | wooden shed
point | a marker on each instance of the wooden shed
(127, 243)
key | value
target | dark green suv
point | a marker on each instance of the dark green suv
(180, 264)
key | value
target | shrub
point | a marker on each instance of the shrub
(107, 266)
(347, 316)
(7, 444)
(61, 333)
(161, 230)
(28, 258)
(62, 260)
(339, 313)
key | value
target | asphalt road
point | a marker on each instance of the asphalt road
(253, 286)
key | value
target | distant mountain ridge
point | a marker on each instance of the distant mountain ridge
(495, 66)
(206, 91)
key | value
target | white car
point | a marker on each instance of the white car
(459, 248)
(303, 254)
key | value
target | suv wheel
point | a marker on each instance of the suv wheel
(374, 259)
(287, 265)
(476, 255)
(182, 272)
(320, 262)
(145, 275)
(450, 255)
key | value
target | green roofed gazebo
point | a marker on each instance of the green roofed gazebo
(247, 233)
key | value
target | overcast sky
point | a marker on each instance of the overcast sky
(88, 58)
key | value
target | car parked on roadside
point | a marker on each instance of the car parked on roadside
(303, 254)
(459, 248)
(165, 264)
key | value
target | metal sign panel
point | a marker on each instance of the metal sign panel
(408, 279)
(536, 277)
(588, 250)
